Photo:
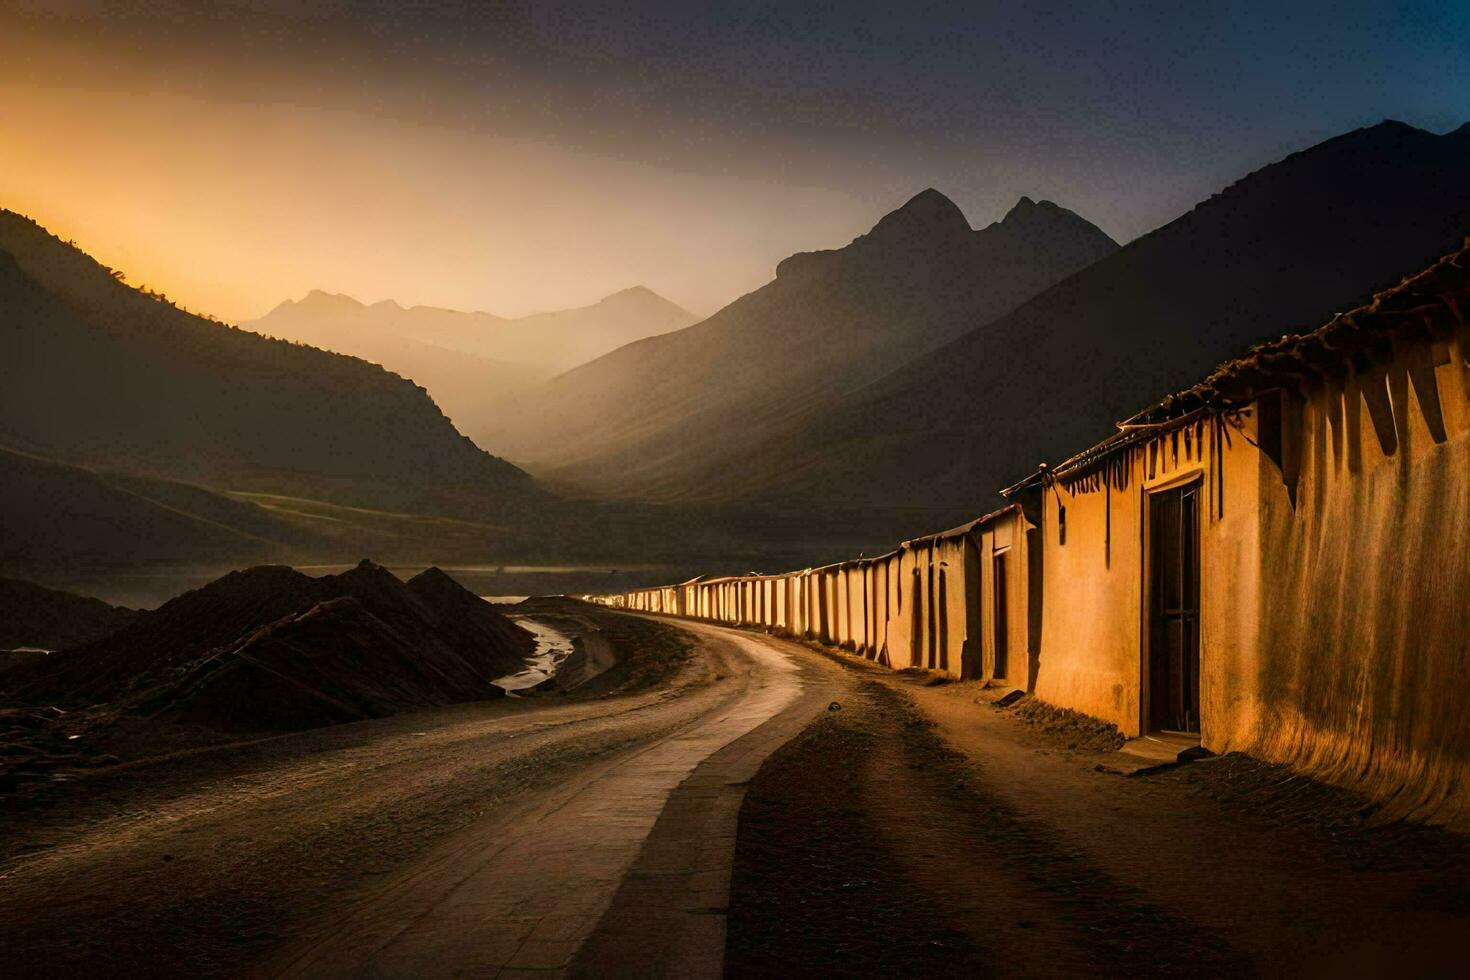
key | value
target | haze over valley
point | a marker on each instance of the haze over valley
(734, 490)
(473, 364)
(920, 367)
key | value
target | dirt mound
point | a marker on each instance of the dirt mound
(33, 616)
(458, 613)
(1076, 730)
(269, 648)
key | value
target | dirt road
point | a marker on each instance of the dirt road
(452, 842)
(724, 819)
(944, 838)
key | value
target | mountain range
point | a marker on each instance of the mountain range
(472, 364)
(636, 422)
(865, 394)
(100, 374)
(1279, 251)
(879, 380)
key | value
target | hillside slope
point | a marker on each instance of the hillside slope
(54, 513)
(1280, 250)
(47, 619)
(131, 383)
(636, 422)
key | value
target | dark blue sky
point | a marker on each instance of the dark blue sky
(1126, 113)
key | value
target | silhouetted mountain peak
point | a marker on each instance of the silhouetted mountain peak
(927, 222)
(928, 214)
(1048, 225)
(1027, 212)
(634, 292)
(321, 300)
(640, 298)
(1351, 166)
(1026, 209)
(1389, 133)
(1391, 126)
(1369, 143)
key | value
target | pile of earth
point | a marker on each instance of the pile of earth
(272, 649)
(33, 617)
(1072, 728)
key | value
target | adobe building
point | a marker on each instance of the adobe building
(1275, 559)
(1272, 561)
(957, 602)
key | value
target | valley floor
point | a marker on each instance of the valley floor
(753, 807)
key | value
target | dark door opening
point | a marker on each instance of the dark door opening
(1002, 622)
(941, 620)
(1173, 668)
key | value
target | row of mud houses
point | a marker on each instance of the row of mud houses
(1275, 559)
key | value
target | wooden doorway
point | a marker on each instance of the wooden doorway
(1001, 618)
(1173, 649)
(941, 621)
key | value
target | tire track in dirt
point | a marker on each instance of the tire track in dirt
(868, 847)
(1002, 872)
(197, 864)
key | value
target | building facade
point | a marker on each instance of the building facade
(1276, 560)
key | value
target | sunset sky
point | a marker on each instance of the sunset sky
(546, 154)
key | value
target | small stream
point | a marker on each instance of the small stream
(552, 649)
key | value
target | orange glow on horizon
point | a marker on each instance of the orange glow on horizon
(230, 208)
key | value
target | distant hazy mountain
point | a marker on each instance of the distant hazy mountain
(471, 363)
(1278, 251)
(468, 387)
(648, 419)
(100, 374)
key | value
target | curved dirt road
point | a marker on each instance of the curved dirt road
(458, 842)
